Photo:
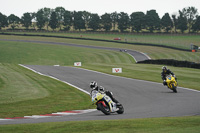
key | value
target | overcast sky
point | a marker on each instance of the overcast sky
(18, 7)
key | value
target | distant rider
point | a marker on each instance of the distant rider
(93, 86)
(165, 72)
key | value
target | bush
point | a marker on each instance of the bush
(172, 62)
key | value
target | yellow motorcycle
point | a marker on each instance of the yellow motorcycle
(171, 83)
(105, 104)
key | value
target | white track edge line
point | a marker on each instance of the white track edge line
(55, 79)
(103, 74)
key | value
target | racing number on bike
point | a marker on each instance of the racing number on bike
(107, 99)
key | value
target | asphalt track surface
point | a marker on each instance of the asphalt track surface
(141, 99)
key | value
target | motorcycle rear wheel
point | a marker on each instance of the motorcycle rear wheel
(105, 110)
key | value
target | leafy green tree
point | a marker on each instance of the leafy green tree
(196, 25)
(26, 20)
(190, 13)
(67, 20)
(60, 11)
(166, 22)
(33, 17)
(106, 21)
(40, 19)
(78, 20)
(13, 21)
(137, 21)
(86, 18)
(123, 21)
(175, 22)
(53, 23)
(152, 20)
(182, 22)
(3, 21)
(47, 15)
(94, 22)
(114, 17)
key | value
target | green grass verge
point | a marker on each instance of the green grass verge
(18, 86)
(27, 93)
(148, 125)
(47, 54)
(187, 77)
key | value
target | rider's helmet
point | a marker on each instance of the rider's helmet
(164, 68)
(93, 84)
(101, 88)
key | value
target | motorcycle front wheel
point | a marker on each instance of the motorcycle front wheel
(174, 88)
(105, 110)
(121, 110)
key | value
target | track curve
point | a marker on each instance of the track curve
(138, 56)
(141, 99)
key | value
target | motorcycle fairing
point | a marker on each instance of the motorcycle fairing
(101, 97)
(171, 80)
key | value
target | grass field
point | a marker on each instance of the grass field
(20, 87)
(174, 40)
(154, 53)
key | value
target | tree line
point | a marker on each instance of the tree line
(187, 19)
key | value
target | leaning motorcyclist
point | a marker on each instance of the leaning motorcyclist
(165, 72)
(94, 86)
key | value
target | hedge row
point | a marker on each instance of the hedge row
(171, 62)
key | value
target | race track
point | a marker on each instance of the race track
(141, 99)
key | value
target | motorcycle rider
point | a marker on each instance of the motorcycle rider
(94, 86)
(164, 74)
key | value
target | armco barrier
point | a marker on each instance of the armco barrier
(172, 62)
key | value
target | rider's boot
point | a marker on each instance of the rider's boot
(164, 83)
(115, 107)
